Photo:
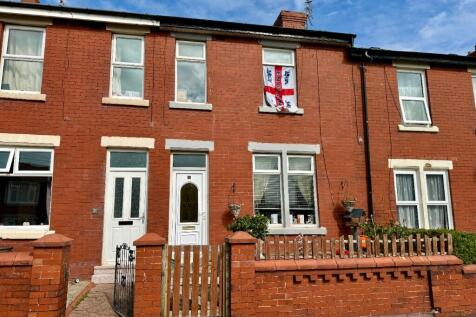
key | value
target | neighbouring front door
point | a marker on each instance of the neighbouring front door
(189, 210)
(125, 201)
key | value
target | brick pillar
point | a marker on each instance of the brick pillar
(243, 249)
(148, 283)
(49, 276)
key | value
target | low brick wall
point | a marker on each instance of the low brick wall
(349, 287)
(35, 284)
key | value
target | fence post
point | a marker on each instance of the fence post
(148, 275)
(242, 248)
(49, 276)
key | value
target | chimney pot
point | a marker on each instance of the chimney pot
(291, 19)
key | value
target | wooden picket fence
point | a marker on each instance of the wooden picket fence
(316, 247)
(195, 280)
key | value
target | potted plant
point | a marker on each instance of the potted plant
(235, 209)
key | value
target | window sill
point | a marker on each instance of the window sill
(30, 96)
(406, 128)
(298, 230)
(266, 109)
(22, 233)
(125, 102)
(190, 106)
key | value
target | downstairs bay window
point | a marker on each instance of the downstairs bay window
(25, 188)
(284, 190)
(423, 198)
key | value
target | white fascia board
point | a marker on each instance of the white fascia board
(29, 139)
(39, 12)
(408, 65)
(189, 145)
(127, 142)
(420, 164)
(284, 148)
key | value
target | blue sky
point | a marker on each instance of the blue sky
(441, 26)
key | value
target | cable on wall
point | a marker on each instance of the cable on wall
(320, 130)
(355, 106)
(65, 71)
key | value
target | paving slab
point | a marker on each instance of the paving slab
(97, 303)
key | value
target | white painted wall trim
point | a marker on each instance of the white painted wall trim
(127, 142)
(191, 36)
(30, 96)
(432, 129)
(420, 164)
(411, 66)
(39, 12)
(278, 44)
(257, 147)
(472, 70)
(189, 145)
(24, 232)
(267, 109)
(128, 29)
(297, 230)
(29, 139)
(19, 20)
(125, 101)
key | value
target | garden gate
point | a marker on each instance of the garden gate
(124, 277)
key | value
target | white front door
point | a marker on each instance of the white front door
(125, 206)
(189, 212)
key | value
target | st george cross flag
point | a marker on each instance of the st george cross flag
(279, 90)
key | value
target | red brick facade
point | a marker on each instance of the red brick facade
(76, 78)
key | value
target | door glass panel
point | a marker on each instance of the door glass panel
(118, 197)
(189, 160)
(188, 203)
(135, 197)
(34, 161)
(129, 159)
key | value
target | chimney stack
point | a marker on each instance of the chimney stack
(31, 1)
(473, 53)
(291, 19)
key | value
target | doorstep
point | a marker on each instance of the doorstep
(103, 274)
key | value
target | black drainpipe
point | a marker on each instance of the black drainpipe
(366, 135)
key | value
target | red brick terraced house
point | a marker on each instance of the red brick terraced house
(114, 124)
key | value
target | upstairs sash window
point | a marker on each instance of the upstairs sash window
(22, 58)
(279, 76)
(127, 70)
(191, 72)
(413, 97)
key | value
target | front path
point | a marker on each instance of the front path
(98, 303)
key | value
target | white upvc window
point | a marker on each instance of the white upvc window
(423, 199)
(127, 67)
(278, 57)
(474, 87)
(22, 59)
(413, 96)
(25, 188)
(284, 189)
(190, 72)
(407, 198)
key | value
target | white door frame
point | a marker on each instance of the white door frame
(172, 213)
(107, 214)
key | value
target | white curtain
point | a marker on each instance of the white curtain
(405, 187)
(260, 185)
(302, 187)
(407, 216)
(438, 216)
(414, 110)
(20, 74)
(410, 85)
(436, 187)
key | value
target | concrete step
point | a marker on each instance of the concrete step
(103, 274)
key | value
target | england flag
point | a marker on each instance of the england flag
(279, 88)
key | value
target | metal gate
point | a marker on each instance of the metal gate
(124, 276)
(196, 281)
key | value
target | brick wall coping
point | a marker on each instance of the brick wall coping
(15, 259)
(54, 240)
(469, 269)
(365, 263)
(241, 237)
(150, 239)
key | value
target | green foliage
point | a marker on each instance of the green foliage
(464, 243)
(256, 225)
